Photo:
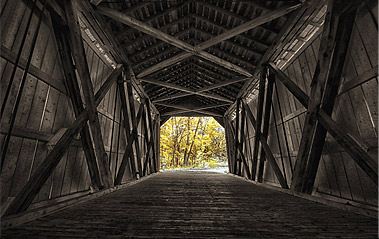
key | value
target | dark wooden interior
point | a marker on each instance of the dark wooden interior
(86, 85)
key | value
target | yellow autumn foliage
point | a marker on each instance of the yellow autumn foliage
(192, 142)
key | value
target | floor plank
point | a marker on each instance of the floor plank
(184, 204)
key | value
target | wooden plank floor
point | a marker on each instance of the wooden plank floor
(198, 205)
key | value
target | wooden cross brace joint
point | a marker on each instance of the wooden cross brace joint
(189, 50)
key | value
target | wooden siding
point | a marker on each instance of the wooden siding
(46, 108)
(356, 111)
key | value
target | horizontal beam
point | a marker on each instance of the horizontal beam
(221, 84)
(184, 109)
(193, 92)
(33, 70)
(188, 114)
(171, 97)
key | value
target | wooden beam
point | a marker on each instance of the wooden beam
(286, 32)
(107, 84)
(87, 89)
(185, 108)
(236, 143)
(129, 139)
(46, 168)
(171, 77)
(355, 150)
(188, 113)
(269, 156)
(236, 44)
(317, 88)
(236, 17)
(170, 97)
(150, 142)
(244, 36)
(151, 19)
(141, 26)
(101, 28)
(241, 142)
(229, 144)
(266, 121)
(152, 138)
(258, 126)
(268, 17)
(96, 2)
(343, 36)
(129, 152)
(134, 123)
(33, 70)
(222, 37)
(62, 40)
(193, 92)
(359, 80)
(118, 16)
(240, 151)
(158, 44)
(325, 57)
(221, 84)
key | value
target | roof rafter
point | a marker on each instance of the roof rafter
(235, 15)
(118, 16)
(152, 18)
(198, 50)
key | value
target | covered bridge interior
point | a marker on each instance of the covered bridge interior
(85, 86)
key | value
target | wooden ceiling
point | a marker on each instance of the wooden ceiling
(193, 57)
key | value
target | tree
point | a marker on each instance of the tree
(192, 142)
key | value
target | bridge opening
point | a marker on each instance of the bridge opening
(192, 143)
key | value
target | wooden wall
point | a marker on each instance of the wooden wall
(356, 111)
(45, 109)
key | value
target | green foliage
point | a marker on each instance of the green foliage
(192, 142)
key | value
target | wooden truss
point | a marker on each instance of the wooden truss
(319, 107)
(71, 52)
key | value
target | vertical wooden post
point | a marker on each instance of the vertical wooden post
(284, 133)
(149, 137)
(325, 57)
(270, 157)
(228, 144)
(152, 138)
(343, 35)
(129, 139)
(262, 81)
(236, 158)
(266, 120)
(74, 92)
(134, 125)
(148, 143)
(157, 145)
(87, 89)
(242, 138)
